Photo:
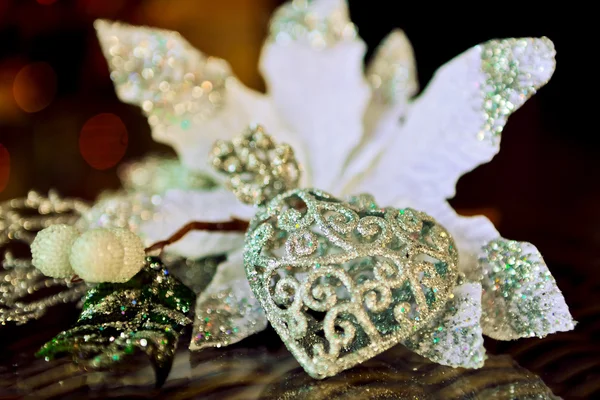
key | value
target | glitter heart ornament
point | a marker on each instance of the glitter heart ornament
(340, 281)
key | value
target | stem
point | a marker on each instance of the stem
(235, 225)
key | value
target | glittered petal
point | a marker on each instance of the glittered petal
(455, 338)
(227, 311)
(190, 99)
(520, 296)
(312, 65)
(455, 125)
(179, 207)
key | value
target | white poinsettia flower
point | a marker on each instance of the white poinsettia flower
(354, 131)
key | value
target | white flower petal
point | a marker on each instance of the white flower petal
(317, 84)
(179, 207)
(455, 124)
(392, 75)
(454, 338)
(241, 108)
(520, 296)
(190, 99)
(227, 311)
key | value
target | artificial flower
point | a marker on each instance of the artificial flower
(355, 130)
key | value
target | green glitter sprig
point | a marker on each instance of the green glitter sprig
(147, 313)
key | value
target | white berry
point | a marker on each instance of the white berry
(97, 256)
(107, 255)
(51, 248)
(134, 257)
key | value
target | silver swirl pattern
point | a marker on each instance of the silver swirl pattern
(342, 282)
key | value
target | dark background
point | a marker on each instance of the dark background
(542, 187)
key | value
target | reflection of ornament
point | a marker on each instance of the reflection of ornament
(400, 374)
(270, 372)
(340, 282)
(147, 313)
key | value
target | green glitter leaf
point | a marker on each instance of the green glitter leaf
(147, 313)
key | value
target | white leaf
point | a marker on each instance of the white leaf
(392, 75)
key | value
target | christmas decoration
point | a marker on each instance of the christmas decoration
(146, 313)
(340, 282)
(341, 276)
(352, 132)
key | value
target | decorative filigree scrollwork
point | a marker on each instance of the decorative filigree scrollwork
(342, 282)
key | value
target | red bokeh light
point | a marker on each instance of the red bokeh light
(4, 167)
(103, 141)
(34, 87)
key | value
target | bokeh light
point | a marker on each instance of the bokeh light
(4, 167)
(34, 87)
(10, 112)
(103, 141)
